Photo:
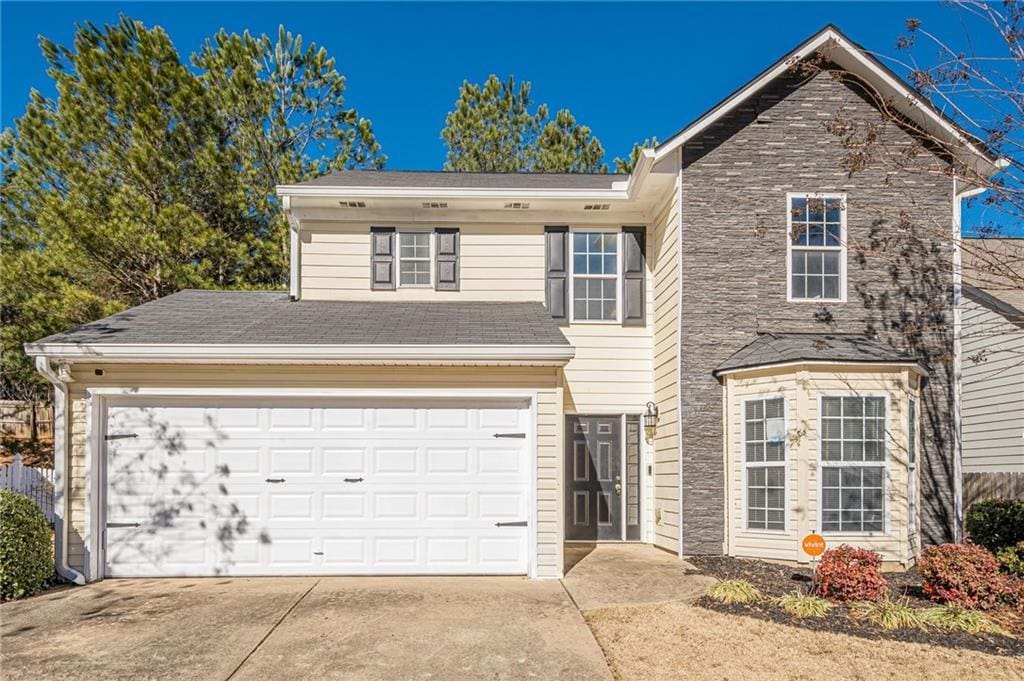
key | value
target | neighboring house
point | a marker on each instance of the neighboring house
(992, 394)
(471, 369)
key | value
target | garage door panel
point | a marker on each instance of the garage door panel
(314, 490)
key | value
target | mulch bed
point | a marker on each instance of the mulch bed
(777, 580)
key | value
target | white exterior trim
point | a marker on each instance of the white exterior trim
(618, 192)
(841, 249)
(825, 362)
(553, 354)
(98, 399)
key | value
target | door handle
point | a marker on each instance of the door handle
(275, 480)
(123, 525)
(353, 479)
(618, 488)
(515, 523)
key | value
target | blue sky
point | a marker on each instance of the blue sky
(629, 71)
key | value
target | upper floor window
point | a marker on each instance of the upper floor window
(595, 276)
(817, 247)
(414, 258)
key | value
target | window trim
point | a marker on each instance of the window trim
(746, 465)
(431, 254)
(841, 248)
(884, 464)
(618, 275)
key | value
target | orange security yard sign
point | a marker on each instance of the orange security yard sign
(813, 545)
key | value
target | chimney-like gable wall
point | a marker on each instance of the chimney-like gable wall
(734, 277)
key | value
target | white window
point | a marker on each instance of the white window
(595, 276)
(414, 259)
(852, 464)
(817, 247)
(765, 463)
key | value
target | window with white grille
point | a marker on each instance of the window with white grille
(414, 259)
(817, 247)
(764, 441)
(852, 464)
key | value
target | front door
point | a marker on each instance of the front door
(593, 509)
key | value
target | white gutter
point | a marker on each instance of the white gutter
(61, 468)
(958, 287)
(151, 352)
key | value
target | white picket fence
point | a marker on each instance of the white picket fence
(34, 483)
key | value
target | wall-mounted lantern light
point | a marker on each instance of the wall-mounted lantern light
(651, 417)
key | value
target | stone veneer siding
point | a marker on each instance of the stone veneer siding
(733, 277)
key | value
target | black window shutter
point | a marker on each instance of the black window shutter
(634, 242)
(382, 258)
(446, 258)
(556, 255)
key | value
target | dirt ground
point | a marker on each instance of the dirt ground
(678, 641)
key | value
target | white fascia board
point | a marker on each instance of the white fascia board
(254, 354)
(863, 364)
(871, 70)
(617, 193)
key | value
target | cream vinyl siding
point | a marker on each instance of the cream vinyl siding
(993, 392)
(802, 388)
(612, 370)
(544, 381)
(664, 251)
(496, 262)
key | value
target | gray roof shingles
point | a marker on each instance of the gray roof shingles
(777, 348)
(253, 318)
(439, 179)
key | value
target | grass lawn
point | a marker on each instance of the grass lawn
(679, 641)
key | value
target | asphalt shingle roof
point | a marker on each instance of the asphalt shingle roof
(253, 318)
(444, 180)
(779, 348)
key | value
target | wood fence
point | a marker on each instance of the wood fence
(26, 420)
(35, 483)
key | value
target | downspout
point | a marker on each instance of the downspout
(958, 453)
(61, 467)
(679, 343)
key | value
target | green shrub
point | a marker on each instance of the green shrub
(889, 613)
(996, 523)
(735, 591)
(26, 547)
(1011, 558)
(804, 605)
(956, 618)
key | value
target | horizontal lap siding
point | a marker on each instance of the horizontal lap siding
(666, 374)
(993, 392)
(542, 380)
(496, 262)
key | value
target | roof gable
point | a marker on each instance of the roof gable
(848, 55)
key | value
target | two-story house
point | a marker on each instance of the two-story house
(471, 370)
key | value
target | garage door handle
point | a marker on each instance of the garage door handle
(123, 525)
(515, 523)
(353, 479)
(275, 480)
(517, 436)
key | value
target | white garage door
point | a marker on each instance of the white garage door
(240, 489)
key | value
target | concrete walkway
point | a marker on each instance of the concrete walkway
(610, 575)
(282, 628)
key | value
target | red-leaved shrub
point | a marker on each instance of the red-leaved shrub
(962, 574)
(850, 574)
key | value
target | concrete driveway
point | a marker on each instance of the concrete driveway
(331, 628)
